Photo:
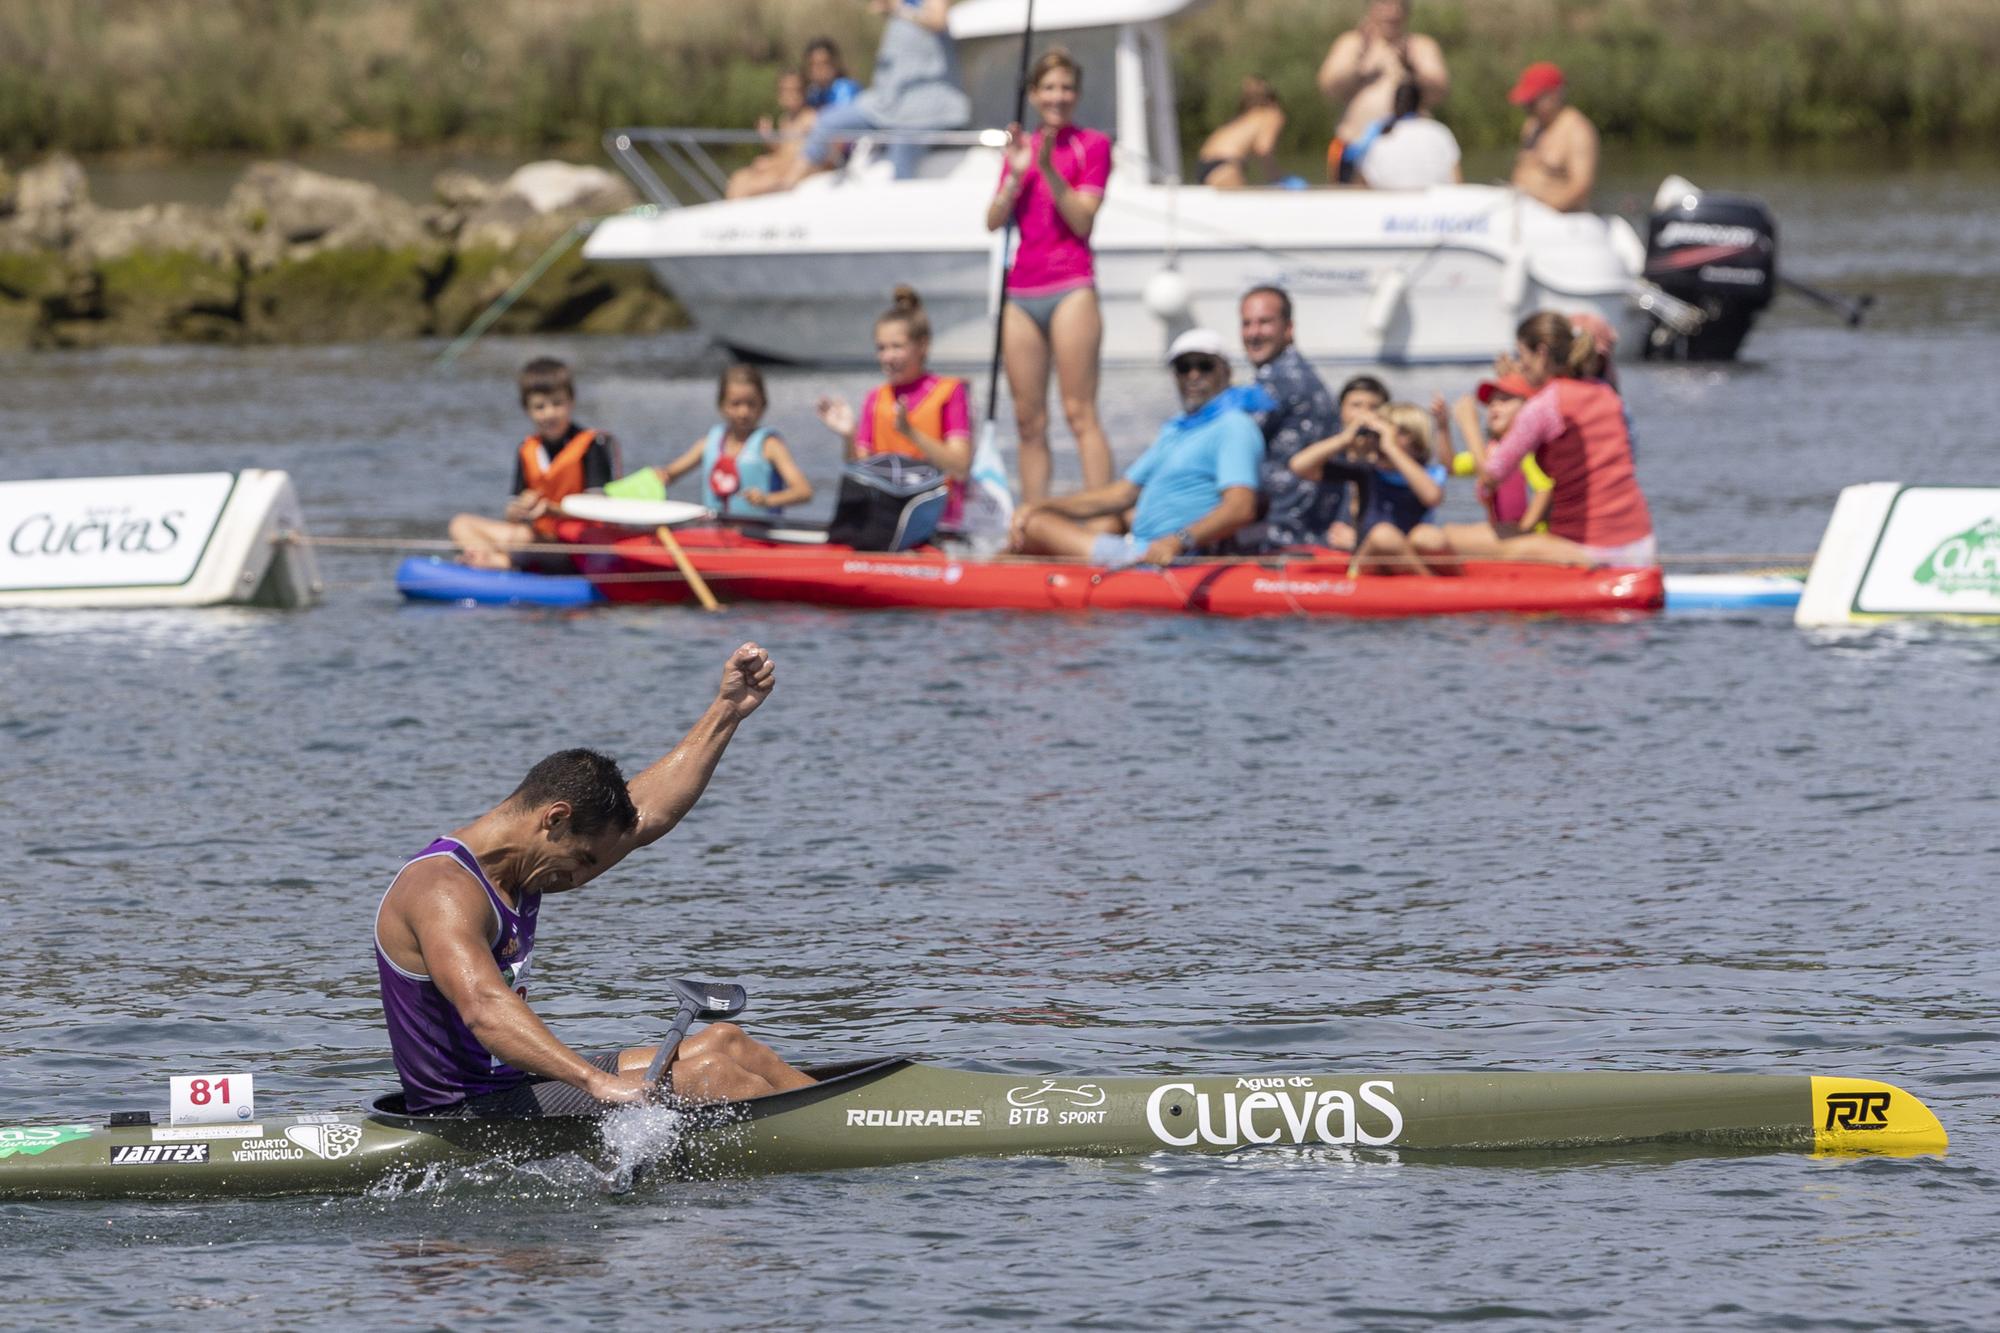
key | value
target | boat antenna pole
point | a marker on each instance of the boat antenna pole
(988, 430)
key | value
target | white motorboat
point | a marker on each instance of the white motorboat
(1437, 275)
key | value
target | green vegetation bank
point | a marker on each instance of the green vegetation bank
(274, 76)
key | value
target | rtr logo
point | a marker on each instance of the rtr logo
(1857, 1110)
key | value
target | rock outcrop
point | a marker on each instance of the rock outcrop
(295, 255)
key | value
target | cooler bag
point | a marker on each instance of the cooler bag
(887, 503)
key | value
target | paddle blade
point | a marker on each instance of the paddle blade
(710, 1000)
(989, 497)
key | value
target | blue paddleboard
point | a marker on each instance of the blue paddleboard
(429, 579)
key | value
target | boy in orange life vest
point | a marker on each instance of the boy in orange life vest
(557, 460)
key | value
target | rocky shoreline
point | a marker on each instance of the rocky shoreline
(297, 256)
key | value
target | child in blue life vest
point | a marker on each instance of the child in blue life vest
(746, 470)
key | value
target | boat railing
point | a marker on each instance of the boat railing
(642, 151)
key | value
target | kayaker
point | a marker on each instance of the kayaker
(1297, 512)
(1557, 163)
(455, 935)
(916, 414)
(916, 87)
(1575, 428)
(1051, 186)
(558, 459)
(1250, 139)
(1188, 494)
(746, 470)
(1366, 65)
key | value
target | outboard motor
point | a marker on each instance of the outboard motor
(1717, 252)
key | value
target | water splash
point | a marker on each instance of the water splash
(637, 1138)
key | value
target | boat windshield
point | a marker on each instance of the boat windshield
(992, 67)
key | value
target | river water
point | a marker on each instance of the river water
(1041, 845)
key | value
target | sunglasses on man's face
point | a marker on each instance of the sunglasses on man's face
(1196, 365)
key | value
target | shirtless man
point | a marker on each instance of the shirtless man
(456, 931)
(1557, 163)
(1365, 66)
(1251, 137)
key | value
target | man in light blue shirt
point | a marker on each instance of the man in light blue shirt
(1188, 493)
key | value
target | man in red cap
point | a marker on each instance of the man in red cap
(1557, 163)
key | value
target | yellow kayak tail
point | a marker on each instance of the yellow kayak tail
(1859, 1115)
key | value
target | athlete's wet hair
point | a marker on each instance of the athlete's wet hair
(592, 785)
(546, 375)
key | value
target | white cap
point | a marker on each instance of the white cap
(1198, 341)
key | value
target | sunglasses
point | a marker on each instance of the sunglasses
(1196, 365)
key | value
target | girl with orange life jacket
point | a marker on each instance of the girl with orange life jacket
(1576, 430)
(746, 470)
(916, 414)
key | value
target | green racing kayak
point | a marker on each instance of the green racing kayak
(894, 1111)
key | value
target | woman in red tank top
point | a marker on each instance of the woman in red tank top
(1575, 427)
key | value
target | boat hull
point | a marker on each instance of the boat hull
(742, 568)
(1439, 275)
(890, 1112)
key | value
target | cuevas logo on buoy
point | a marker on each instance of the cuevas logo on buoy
(1965, 562)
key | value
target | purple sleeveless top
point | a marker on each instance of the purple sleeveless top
(439, 1060)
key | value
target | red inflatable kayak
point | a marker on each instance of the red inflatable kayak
(744, 568)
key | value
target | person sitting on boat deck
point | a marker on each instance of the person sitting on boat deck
(1518, 503)
(1365, 66)
(917, 414)
(1189, 493)
(1250, 139)
(1052, 184)
(1409, 485)
(1297, 512)
(746, 470)
(1557, 163)
(1408, 151)
(916, 87)
(1575, 428)
(455, 935)
(768, 173)
(827, 84)
(557, 460)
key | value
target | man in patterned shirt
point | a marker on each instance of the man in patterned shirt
(1298, 512)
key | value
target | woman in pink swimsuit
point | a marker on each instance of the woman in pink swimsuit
(1052, 186)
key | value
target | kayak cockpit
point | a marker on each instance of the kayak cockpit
(834, 1080)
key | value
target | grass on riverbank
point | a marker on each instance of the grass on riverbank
(276, 76)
